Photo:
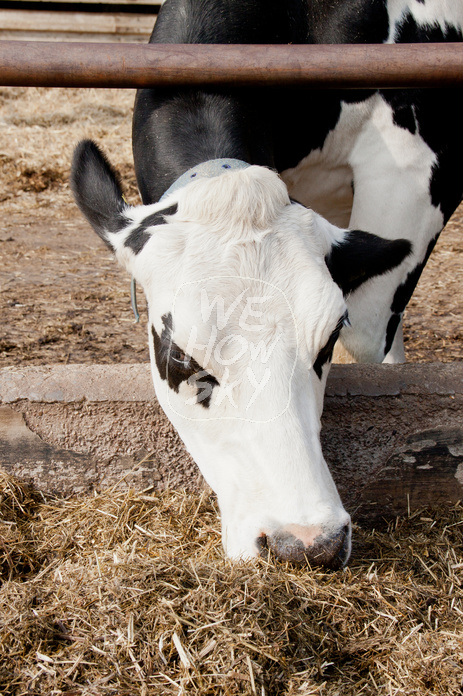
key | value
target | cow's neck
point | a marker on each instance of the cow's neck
(176, 131)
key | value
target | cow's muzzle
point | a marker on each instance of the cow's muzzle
(304, 546)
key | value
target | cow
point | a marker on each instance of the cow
(273, 223)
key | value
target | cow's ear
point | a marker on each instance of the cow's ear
(97, 191)
(359, 256)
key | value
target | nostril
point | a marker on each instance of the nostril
(345, 549)
(331, 552)
(261, 543)
(336, 549)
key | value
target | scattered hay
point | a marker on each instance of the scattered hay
(130, 594)
(39, 129)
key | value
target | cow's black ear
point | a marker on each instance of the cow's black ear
(361, 256)
(97, 190)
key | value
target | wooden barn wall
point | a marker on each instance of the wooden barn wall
(68, 20)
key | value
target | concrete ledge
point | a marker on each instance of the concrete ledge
(73, 383)
(132, 383)
(392, 435)
(392, 380)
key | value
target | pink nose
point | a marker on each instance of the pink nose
(303, 545)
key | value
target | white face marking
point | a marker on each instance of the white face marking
(252, 303)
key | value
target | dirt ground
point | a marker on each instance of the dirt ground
(64, 299)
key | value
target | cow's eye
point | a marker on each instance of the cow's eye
(180, 358)
(345, 319)
(326, 353)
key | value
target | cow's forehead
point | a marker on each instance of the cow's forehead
(246, 270)
(233, 308)
(181, 255)
(237, 221)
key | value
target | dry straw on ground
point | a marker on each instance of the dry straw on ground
(130, 594)
(39, 129)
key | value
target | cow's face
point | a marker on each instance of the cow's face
(245, 305)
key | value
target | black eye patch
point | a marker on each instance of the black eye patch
(326, 353)
(138, 237)
(177, 367)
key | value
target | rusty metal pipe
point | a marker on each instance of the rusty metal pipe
(47, 64)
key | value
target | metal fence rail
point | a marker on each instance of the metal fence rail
(47, 64)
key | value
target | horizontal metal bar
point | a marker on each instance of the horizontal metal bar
(47, 64)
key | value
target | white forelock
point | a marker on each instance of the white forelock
(241, 201)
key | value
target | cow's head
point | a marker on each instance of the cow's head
(246, 296)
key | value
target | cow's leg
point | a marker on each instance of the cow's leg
(396, 354)
(394, 170)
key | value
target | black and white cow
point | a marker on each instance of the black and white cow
(252, 276)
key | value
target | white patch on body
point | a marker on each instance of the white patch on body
(391, 170)
(442, 13)
(323, 179)
(392, 173)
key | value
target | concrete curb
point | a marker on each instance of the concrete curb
(74, 383)
(132, 383)
(392, 380)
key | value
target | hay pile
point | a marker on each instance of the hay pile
(130, 594)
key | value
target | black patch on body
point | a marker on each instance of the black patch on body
(405, 290)
(175, 130)
(402, 296)
(175, 373)
(392, 326)
(403, 109)
(435, 114)
(361, 256)
(138, 237)
(341, 22)
(409, 31)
